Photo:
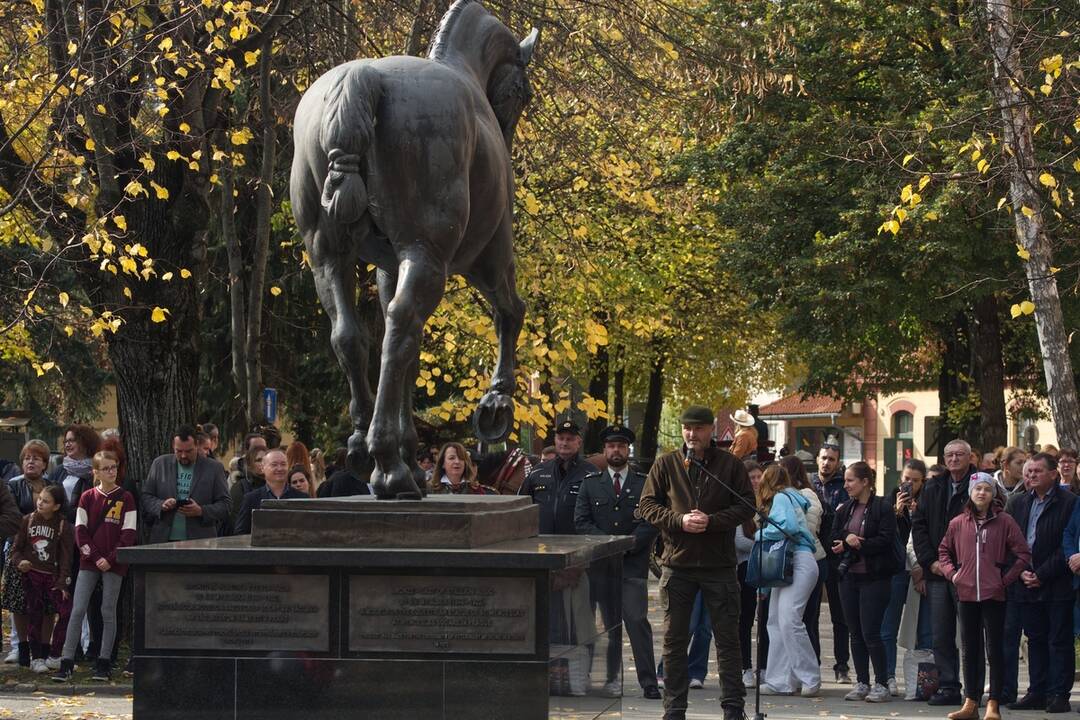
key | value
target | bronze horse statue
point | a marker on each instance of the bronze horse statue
(404, 163)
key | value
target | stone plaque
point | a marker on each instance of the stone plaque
(237, 612)
(442, 614)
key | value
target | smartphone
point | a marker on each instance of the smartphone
(185, 501)
(906, 488)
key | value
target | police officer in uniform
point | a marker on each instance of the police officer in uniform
(554, 486)
(607, 505)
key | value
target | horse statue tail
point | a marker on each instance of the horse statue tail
(347, 130)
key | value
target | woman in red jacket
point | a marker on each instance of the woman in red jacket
(972, 557)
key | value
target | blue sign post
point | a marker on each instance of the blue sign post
(270, 404)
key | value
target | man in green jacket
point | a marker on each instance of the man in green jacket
(697, 518)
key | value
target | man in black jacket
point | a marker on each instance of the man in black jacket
(941, 500)
(608, 505)
(828, 481)
(1041, 603)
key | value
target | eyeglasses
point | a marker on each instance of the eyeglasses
(110, 468)
(70, 441)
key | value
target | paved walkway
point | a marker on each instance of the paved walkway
(704, 704)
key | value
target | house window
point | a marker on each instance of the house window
(903, 425)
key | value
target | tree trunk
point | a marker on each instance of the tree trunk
(988, 365)
(598, 388)
(237, 311)
(416, 32)
(654, 404)
(618, 400)
(1030, 225)
(951, 384)
(264, 208)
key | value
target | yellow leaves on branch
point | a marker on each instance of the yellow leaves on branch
(1025, 308)
(158, 314)
(1022, 253)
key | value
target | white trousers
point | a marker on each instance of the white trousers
(791, 656)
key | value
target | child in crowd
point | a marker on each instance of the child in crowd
(42, 552)
(105, 522)
(973, 557)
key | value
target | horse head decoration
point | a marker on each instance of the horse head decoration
(404, 163)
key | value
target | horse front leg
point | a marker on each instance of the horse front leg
(333, 264)
(417, 293)
(494, 416)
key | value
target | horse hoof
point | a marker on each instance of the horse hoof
(358, 459)
(494, 417)
(398, 484)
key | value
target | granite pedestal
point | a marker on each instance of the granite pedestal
(278, 625)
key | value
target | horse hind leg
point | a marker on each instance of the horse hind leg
(418, 290)
(334, 259)
(494, 416)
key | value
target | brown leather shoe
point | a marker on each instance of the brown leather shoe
(993, 712)
(970, 711)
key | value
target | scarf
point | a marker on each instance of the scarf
(81, 469)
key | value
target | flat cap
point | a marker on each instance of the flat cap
(617, 432)
(697, 415)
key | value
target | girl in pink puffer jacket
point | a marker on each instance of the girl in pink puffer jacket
(973, 556)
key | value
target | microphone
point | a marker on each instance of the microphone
(686, 459)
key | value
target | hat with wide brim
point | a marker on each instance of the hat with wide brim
(741, 417)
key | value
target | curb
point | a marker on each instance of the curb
(67, 689)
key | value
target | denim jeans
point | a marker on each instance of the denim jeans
(890, 626)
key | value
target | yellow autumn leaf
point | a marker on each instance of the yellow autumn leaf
(148, 163)
(905, 194)
(162, 193)
(1054, 270)
(532, 205)
(167, 276)
(68, 330)
(924, 181)
(165, 44)
(1014, 311)
(127, 292)
(251, 57)
(172, 155)
(1028, 212)
(275, 290)
(1027, 307)
(134, 188)
(184, 127)
(907, 159)
(64, 298)
(90, 144)
(185, 273)
(241, 136)
(1048, 180)
(120, 221)
(1001, 201)
(158, 314)
(1022, 253)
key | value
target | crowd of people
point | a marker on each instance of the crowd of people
(987, 544)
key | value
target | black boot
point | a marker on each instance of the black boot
(102, 670)
(24, 654)
(67, 669)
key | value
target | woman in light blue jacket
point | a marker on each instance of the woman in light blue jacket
(792, 666)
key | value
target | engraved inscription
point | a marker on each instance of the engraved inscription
(237, 612)
(442, 614)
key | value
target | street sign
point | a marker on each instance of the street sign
(270, 404)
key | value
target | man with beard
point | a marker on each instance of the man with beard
(828, 481)
(608, 505)
(697, 496)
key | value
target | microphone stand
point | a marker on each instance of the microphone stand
(762, 520)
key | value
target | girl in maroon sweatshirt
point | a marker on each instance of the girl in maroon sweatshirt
(104, 523)
(973, 557)
(42, 552)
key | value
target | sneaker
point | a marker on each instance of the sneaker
(67, 669)
(810, 690)
(696, 684)
(843, 677)
(37, 665)
(612, 689)
(748, 679)
(894, 689)
(129, 668)
(859, 692)
(13, 656)
(102, 671)
(767, 689)
(878, 694)
(660, 681)
(53, 663)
